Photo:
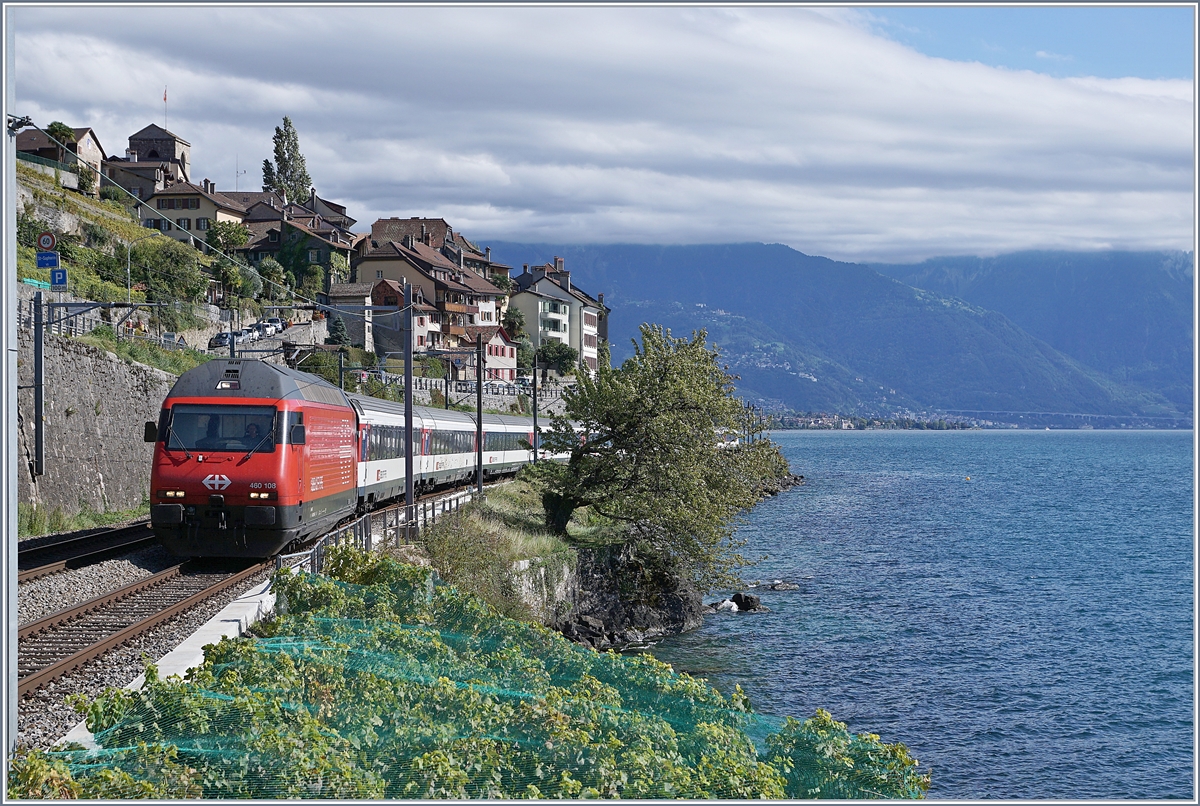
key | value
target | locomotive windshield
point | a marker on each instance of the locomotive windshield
(223, 428)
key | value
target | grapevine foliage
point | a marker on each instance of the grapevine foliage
(373, 683)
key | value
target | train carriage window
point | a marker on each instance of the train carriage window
(223, 428)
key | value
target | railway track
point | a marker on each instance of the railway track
(59, 643)
(50, 556)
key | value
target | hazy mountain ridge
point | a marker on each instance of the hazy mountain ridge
(872, 343)
(1127, 314)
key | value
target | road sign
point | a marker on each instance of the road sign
(46, 241)
(47, 260)
(58, 277)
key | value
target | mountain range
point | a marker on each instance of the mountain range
(1033, 333)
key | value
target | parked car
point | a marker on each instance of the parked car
(264, 329)
(219, 340)
(240, 336)
(249, 334)
(280, 324)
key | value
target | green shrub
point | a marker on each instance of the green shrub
(374, 683)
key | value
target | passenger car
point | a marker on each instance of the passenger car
(319, 456)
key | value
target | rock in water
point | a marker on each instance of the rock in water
(746, 602)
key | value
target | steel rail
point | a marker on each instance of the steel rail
(112, 542)
(34, 680)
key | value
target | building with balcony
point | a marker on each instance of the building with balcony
(462, 299)
(554, 308)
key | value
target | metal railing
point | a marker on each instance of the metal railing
(25, 156)
(387, 527)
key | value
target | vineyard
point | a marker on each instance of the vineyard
(373, 682)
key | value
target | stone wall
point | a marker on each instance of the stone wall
(96, 405)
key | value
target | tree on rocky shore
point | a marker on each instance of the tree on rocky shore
(651, 458)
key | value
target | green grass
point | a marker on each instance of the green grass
(476, 547)
(175, 362)
(33, 520)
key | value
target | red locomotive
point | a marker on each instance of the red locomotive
(250, 457)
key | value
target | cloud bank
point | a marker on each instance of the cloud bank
(643, 125)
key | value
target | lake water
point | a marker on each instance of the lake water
(1027, 633)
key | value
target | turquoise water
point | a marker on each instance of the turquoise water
(1027, 633)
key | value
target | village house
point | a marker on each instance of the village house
(556, 309)
(186, 212)
(292, 234)
(500, 353)
(86, 147)
(462, 297)
(427, 329)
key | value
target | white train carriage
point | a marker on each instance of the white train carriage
(443, 447)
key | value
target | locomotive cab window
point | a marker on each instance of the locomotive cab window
(221, 428)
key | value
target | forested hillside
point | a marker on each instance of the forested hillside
(1127, 314)
(814, 333)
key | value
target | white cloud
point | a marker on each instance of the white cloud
(658, 125)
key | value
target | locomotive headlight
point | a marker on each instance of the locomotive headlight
(262, 495)
(170, 493)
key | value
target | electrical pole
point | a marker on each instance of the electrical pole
(409, 503)
(479, 414)
(8, 375)
(535, 402)
(39, 387)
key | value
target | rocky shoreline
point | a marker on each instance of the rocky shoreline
(620, 603)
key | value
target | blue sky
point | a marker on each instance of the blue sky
(859, 133)
(1102, 41)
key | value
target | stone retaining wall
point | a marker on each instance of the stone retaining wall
(96, 406)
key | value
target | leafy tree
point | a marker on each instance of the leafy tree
(227, 235)
(513, 322)
(87, 176)
(321, 363)
(337, 332)
(288, 174)
(311, 281)
(63, 134)
(171, 273)
(274, 280)
(558, 355)
(252, 284)
(339, 268)
(651, 460)
(525, 353)
(433, 367)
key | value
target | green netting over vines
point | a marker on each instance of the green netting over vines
(374, 683)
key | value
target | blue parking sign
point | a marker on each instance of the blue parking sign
(58, 279)
(47, 260)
